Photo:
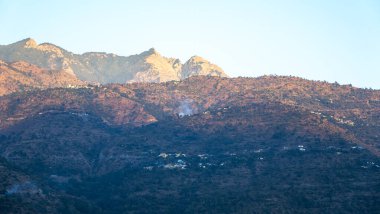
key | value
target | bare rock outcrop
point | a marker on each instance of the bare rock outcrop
(100, 67)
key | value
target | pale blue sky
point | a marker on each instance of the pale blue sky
(333, 40)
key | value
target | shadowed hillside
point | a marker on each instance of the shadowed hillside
(204, 144)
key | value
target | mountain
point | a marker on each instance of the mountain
(204, 144)
(149, 66)
(196, 66)
(23, 76)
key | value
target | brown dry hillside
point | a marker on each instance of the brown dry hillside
(353, 110)
(23, 76)
(271, 144)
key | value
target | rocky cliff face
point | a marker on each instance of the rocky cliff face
(149, 66)
(196, 66)
(152, 67)
(45, 55)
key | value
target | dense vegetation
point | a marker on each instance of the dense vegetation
(215, 145)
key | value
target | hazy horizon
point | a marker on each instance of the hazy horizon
(324, 40)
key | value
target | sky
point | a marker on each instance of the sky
(332, 40)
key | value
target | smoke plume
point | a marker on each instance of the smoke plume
(186, 108)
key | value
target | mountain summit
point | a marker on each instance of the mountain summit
(196, 65)
(148, 66)
(25, 43)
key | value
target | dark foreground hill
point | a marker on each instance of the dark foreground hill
(205, 144)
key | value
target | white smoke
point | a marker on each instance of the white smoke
(186, 108)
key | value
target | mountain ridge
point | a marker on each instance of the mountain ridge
(101, 67)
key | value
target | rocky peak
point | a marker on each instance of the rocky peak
(150, 52)
(197, 59)
(26, 43)
(196, 65)
(44, 47)
(151, 66)
(148, 66)
(48, 47)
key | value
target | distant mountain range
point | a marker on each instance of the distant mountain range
(149, 66)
